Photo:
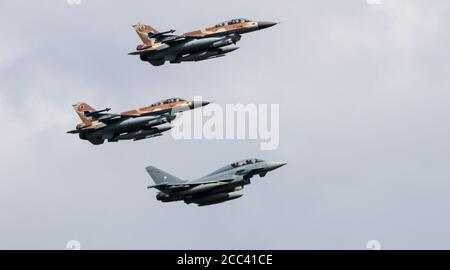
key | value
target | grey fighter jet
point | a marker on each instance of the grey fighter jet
(137, 124)
(198, 45)
(219, 186)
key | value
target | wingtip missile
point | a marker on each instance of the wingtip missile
(87, 114)
(76, 131)
(155, 35)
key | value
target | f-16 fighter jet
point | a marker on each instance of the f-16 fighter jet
(199, 45)
(219, 186)
(138, 124)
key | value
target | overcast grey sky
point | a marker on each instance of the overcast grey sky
(364, 105)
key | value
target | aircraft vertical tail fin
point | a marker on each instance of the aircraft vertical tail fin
(82, 107)
(162, 177)
(143, 30)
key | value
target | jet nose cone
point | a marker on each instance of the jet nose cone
(262, 25)
(198, 103)
(275, 165)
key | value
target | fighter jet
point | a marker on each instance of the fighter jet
(138, 124)
(219, 186)
(199, 45)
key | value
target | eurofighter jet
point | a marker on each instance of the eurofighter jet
(219, 186)
(138, 124)
(199, 45)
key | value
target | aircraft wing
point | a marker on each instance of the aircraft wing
(75, 131)
(105, 118)
(168, 37)
(171, 40)
(170, 113)
(193, 184)
(87, 129)
(220, 180)
(170, 186)
(157, 112)
(165, 39)
(108, 118)
(140, 52)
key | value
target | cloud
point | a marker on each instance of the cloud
(363, 94)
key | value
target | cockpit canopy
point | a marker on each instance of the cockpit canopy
(245, 162)
(167, 101)
(236, 165)
(234, 21)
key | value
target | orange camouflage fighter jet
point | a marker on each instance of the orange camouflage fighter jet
(199, 45)
(138, 124)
